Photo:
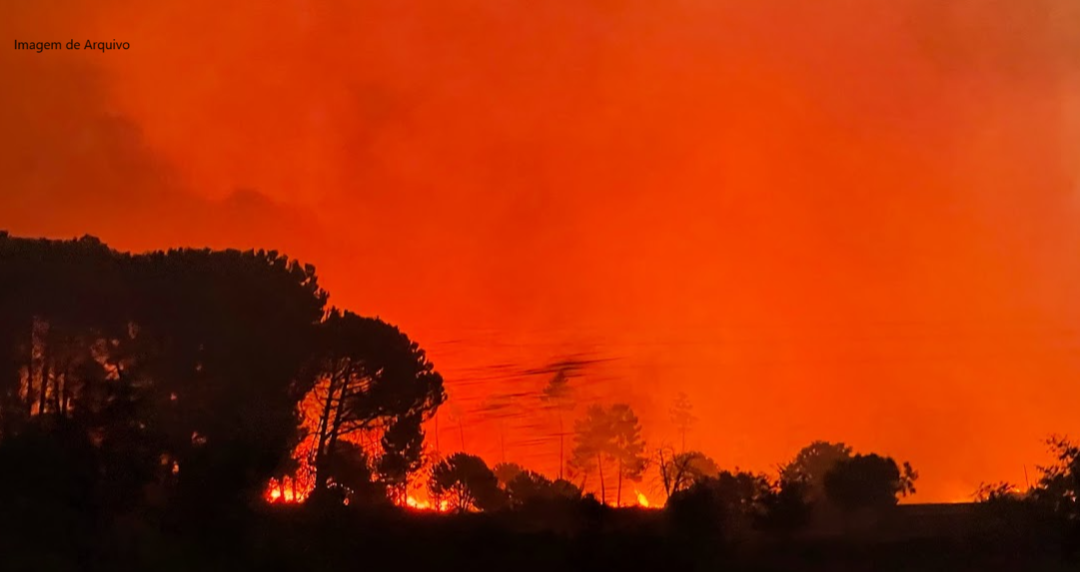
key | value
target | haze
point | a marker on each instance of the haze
(832, 220)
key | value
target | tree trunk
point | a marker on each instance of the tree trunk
(436, 434)
(562, 439)
(30, 368)
(30, 382)
(618, 488)
(335, 430)
(324, 428)
(59, 390)
(665, 478)
(44, 385)
(46, 373)
(600, 467)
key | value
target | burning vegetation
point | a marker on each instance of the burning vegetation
(226, 369)
(191, 386)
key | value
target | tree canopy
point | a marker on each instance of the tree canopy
(183, 369)
(609, 436)
(467, 483)
(868, 481)
(372, 376)
(811, 464)
(679, 471)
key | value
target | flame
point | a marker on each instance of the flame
(641, 500)
(295, 488)
(413, 503)
(287, 490)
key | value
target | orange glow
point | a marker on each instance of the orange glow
(641, 499)
(297, 487)
(413, 503)
(866, 231)
(286, 491)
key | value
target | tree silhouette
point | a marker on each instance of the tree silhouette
(679, 471)
(682, 416)
(811, 465)
(58, 300)
(350, 474)
(627, 447)
(403, 448)
(612, 436)
(528, 487)
(373, 377)
(223, 331)
(181, 336)
(734, 503)
(458, 416)
(196, 360)
(592, 436)
(989, 492)
(1058, 488)
(868, 482)
(786, 508)
(558, 395)
(505, 472)
(467, 483)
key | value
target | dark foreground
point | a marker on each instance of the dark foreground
(300, 538)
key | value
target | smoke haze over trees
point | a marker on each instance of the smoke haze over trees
(160, 396)
(541, 143)
(739, 285)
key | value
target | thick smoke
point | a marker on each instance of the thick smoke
(829, 219)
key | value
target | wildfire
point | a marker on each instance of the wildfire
(641, 499)
(413, 503)
(285, 491)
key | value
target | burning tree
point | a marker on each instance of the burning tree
(373, 377)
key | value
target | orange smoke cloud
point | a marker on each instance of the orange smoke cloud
(830, 220)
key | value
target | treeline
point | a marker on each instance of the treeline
(147, 400)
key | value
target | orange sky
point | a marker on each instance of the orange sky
(834, 219)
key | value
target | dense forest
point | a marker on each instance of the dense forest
(198, 409)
